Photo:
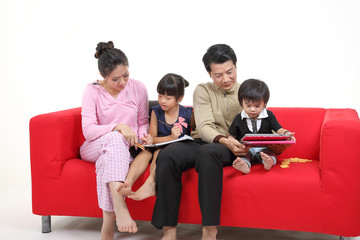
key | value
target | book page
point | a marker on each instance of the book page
(185, 137)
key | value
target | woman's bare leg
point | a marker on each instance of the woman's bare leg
(107, 229)
(123, 219)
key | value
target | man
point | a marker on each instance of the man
(215, 106)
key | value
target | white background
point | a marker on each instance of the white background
(307, 51)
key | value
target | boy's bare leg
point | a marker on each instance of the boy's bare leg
(241, 165)
(148, 188)
(107, 229)
(123, 219)
(209, 233)
(137, 167)
(169, 233)
(268, 161)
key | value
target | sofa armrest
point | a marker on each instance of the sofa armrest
(340, 152)
(54, 138)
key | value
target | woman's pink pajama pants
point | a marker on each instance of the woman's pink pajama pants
(111, 156)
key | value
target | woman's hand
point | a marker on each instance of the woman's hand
(128, 134)
(175, 132)
(235, 146)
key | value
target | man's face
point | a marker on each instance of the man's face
(223, 74)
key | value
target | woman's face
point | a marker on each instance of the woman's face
(223, 74)
(118, 78)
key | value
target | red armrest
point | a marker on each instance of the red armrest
(54, 139)
(340, 163)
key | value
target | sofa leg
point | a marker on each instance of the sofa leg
(344, 238)
(46, 224)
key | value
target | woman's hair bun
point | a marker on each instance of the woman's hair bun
(102, 47)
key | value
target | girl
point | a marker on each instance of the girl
(169, 121)
(114, 113)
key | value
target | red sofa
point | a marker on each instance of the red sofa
(321, 196)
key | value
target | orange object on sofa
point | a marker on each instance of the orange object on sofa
(321, 196)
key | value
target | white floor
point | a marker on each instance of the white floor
(18, 222)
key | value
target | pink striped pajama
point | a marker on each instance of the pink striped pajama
(104, 147)
(112, 158)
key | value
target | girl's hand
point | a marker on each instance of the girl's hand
(175, 132)
(147, 139)
(128, 133)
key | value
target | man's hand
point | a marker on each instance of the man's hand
(235, 146)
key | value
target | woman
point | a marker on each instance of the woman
(114, 114)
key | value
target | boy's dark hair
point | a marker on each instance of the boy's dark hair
(109, 58)
(172, 85)
(253, 90)
(218, 53)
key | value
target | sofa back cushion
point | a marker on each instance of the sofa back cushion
(306, 123)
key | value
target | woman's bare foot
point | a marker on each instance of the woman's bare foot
(126, 224)
(145, 191)
(268, 161)
(209, 232)
(169, 233)
(124, 221)
(241, 165)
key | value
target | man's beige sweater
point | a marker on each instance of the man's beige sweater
(214, 110)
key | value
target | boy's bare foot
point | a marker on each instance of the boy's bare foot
(209, 232)
(169, 233)
(267, 160)
(241, 165)
(126, 224)
(145, 191)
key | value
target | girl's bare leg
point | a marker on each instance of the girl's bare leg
(107, 229)
(148, 188)
(169, 233)
(124, 221)
(137, 167)
(209, 233)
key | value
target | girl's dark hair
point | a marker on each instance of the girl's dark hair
(109, 57)
(172, 85)
(218, 53)
(253, 90)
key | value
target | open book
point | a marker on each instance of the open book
(266, 139)
(185, 137)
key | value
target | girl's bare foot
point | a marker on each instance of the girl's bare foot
(145, 191)
(241, 165)
(209, 232)
(125, 189)
(169, 233)
(268, 161)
